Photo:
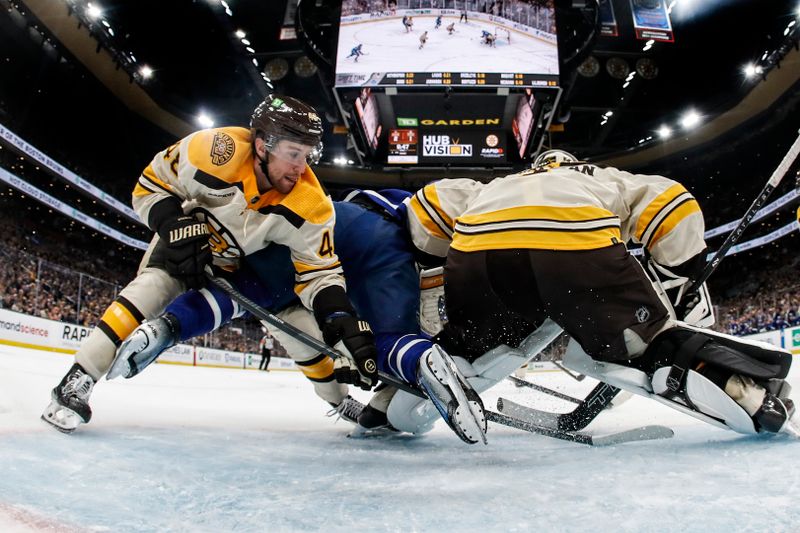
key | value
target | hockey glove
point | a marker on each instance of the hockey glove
(187, 251)
(356, 342)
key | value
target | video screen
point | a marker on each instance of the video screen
(367, 109)
(433, 43)
(522, 124)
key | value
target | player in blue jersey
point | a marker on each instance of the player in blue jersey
(373, 245)
(438, 22)
(356, 52)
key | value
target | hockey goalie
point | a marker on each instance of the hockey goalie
(549, 243)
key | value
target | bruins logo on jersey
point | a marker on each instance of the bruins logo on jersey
(223, 244)
(222, 148)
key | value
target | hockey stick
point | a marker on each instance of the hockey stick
(298, 334)
(576, 377)
(734, 236)
(631, 435)
(522, 383)
(577, 419)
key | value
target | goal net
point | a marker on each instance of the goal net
(502, 34)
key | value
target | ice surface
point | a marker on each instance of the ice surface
(199, 449)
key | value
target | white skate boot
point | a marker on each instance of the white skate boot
(69, 405)
(452, 395)
(143, 346)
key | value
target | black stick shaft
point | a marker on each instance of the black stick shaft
(758, 203)
(263, 314)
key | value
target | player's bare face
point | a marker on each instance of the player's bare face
(287, 162)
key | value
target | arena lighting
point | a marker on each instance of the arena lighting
(251, 50)
(664, 132)
(205, 121)
(240, 34)
(93, 11)
(690, 120)
(245, 42)
(749, 70)
(146, 72)
(340, 160)
(608, 114)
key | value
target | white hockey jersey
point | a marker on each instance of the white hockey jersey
(575, 207)
(211, 172)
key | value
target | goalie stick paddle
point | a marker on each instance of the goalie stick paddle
(577, 419)
(757, 204)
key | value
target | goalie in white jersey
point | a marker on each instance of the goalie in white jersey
(550, 242)
(214, 197)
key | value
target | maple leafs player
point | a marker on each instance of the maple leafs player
(356, 52)
(550, 242)
(373, 245)
(216, 196)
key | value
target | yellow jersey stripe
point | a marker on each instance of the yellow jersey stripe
(537, 239)
(673, 219)
(432, 197)
(586, 213)
(656, 206)
(302, 268)
(139, 190)
(426, 221)
(150, 176)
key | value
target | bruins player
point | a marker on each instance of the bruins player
(550, 242)
(214, 197)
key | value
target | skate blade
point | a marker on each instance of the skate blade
(474, 421)
(792, 427)
(63, 419)
(360, 432)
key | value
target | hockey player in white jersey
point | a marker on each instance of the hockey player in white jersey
(550, 242)
(216, 196)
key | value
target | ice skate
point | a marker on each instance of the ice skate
(453, 397)
(143, 346)
(373, 421)
(69, 406)
(348, 409)
(776, 415)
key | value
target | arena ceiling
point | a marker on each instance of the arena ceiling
(201, 65)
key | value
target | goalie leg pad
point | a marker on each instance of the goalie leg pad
(707, 398)
(760, 361)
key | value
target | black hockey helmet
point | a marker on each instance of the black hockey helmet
(285, 118)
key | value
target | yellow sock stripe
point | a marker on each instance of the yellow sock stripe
(119, 320)
(317, 369)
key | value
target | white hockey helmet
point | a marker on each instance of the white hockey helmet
(553, 159)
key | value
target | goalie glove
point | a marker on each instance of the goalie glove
(355, 341)
(431, 301)
(693, 307)
(187, 249)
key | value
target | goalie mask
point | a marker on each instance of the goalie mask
(291, 129)
(552, 159)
